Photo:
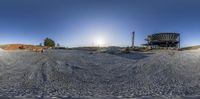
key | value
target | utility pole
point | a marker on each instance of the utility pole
(133, 39)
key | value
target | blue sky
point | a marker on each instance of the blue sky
(80, 22)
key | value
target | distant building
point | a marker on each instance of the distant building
(163, 40)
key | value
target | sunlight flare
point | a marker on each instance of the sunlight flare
(99, 41)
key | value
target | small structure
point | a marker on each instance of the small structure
(163, 40)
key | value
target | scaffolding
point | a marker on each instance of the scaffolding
(163, 40)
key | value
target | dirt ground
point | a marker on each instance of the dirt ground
(88, 73)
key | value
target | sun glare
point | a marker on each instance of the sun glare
(100, 42)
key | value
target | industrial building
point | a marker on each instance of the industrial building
(163, 40)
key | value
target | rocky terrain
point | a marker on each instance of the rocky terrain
(91, 73)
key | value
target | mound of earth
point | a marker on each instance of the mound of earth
(191, 48)
(1, 49)
(82, 73)
(20, 46)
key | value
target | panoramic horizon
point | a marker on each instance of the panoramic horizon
(99, 49)
(74, 23)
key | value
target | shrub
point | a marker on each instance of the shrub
(21, 47)
(127, 50)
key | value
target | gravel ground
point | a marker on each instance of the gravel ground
(85, 73)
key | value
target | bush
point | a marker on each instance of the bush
(21, 47)
(127, 50)
(49, 42)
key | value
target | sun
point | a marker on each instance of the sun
(100, 42)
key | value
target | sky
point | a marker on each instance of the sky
(73, 23)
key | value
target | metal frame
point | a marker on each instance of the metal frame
(163, 40)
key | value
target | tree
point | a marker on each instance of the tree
(49, 42)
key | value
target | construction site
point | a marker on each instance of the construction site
(101, 72)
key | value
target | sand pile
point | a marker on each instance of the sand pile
(82, 73)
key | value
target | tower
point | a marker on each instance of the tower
(133, 39)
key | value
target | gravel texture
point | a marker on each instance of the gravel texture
(86, 73)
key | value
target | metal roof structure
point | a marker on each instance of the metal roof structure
(164, 39)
